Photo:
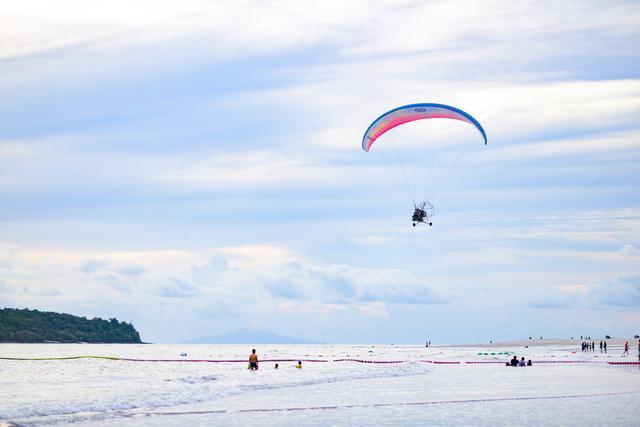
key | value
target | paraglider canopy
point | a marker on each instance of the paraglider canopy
(412, 112)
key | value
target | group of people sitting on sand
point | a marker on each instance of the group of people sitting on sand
(521, 362)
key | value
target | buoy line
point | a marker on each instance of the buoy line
(385, 362)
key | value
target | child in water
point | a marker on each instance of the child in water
(299, 365)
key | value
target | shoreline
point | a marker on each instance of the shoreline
(615, 342)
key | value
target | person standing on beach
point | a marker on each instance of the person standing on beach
(638, 350)
(600, 346)
(593, 346)
(605, 346)
(626, 348)
(253, 360)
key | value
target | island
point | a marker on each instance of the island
(33, 326)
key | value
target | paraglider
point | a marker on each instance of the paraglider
(422, 214)
(423, 211)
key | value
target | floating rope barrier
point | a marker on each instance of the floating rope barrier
(61, 358)
(384, 362)
(370, 361)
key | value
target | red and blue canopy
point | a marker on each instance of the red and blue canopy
(412, 112)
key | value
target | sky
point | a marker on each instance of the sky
(195, 167)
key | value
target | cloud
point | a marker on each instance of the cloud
(251, 169)
(209, 273)
(342, 284)
(554, 300)
(624, 292)
(217, 310)
(355, 28)
(4, 288)
(629, 250)
(91, 266)
(131, 270)
(285, 289)
(377, 309)
(177, 288)
(372, 240)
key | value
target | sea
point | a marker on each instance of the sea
(200, 384)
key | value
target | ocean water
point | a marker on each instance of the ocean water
(177, 390)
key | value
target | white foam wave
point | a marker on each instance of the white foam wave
(196, 389)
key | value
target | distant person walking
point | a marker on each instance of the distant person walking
(605, 346)
(626, 348)
(593, 346)
(600, 346)
(253, 360)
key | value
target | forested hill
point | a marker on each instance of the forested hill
(42, 326)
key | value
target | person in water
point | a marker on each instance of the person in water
(253, 360)
(275, 367)
(529, 363)
(299, 365)
(514, 361)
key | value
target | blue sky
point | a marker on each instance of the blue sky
(195, 167)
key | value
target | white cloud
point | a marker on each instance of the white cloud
(369, 28)
(623, 292)
(630, 250)
(507, 110)
(372, 240)
(251, 169)
(240, 275)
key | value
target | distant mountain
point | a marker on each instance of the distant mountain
(46, 326)
(249, 336)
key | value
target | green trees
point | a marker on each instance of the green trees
(38, 326)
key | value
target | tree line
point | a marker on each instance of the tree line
(31, 326)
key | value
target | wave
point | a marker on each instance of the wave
(195, 380)
(190, 390)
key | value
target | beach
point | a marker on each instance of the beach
(142, 385)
